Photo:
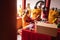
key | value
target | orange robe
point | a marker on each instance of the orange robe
(25, 20)
(19, 23)
(52, 16)
(35, 13)
(20, 11)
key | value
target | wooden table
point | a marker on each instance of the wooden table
(42, 33)
(45, 28)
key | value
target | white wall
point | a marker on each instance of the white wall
(55, 3)
(32, 3)
(19, 2)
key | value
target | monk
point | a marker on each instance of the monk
(53, 13)
(26, 20)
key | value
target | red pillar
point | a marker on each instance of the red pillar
(23, 4)
(47, 4)
(8, 11)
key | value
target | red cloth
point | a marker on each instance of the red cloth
(58, 34)
(30, 35)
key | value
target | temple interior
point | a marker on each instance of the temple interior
(38, 18)
(29, 19)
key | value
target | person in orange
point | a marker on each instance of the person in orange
(53, 13)
(20, 11)
(26, 20)
(36, 12)
(28, 8)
